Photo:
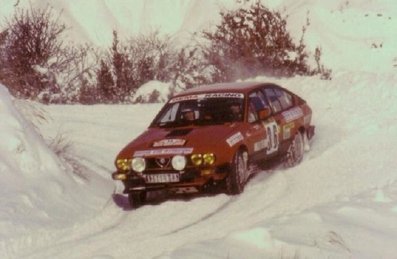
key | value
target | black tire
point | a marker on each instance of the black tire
(137, 199)
(295, 151)
(237, 177)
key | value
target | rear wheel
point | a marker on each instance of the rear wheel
(137, 199)
(295, 151)
(237, 177)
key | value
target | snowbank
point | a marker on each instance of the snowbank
(36, 188)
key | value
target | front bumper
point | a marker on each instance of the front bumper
(192, 180)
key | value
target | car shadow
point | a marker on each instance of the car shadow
(158, 197)
(153, 198)
(121, 201)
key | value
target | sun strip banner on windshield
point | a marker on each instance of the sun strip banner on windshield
(206, 96)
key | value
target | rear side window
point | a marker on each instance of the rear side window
(284, 98)
(273, 99)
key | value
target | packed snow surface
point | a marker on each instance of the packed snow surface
(340, 202)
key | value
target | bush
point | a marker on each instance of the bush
(250, 42)
(189, 69)
(128, 65)
(36, 64)
(31, 44)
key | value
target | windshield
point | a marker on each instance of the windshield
(200, 111)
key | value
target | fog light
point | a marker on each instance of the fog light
(197, 159)
(209, 159)
(120, 177)
(178, 162)
(123, 164)
(206, 172)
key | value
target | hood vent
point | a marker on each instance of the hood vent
(179, 132)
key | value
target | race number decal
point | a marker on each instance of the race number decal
(271, 137)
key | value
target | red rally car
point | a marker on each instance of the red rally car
(215, 135)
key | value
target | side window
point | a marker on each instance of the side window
(263, 99)
(170, 114)
(284, 98)
(273, 99)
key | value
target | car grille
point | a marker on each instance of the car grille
(162, 164)
(158, 163)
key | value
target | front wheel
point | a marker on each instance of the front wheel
(137, 199)
(237, 177)
(295, 151)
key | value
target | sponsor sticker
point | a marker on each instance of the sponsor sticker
(206, 96)
(287, 130)
(164, 151)
(169, 142)
(292, 114)
(234, 139)
(184, 98)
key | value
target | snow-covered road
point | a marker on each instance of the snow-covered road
(348, 177)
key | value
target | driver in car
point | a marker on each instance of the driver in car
(235, 109)
(188, 115)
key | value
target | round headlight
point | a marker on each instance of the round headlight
(196, 159)
(178, 162)
(209, 158)
(138, 164)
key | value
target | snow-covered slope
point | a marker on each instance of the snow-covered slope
(37, 188)
(94, 20)
(340, 202)
(353, 35)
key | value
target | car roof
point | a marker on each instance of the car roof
(239, 87)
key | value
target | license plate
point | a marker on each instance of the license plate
(162, 178)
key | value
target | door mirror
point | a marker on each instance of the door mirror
(264, 113)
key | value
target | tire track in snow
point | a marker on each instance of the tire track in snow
(254, 186)
(205, 217)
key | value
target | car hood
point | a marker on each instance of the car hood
(187, 139)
